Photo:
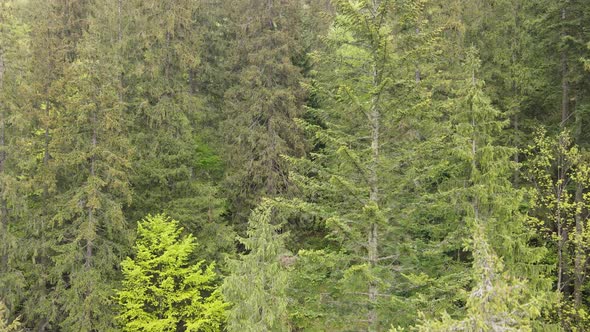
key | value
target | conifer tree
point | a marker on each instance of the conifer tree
(509, 65)
(435, 269)
(174, 164)
(162, 289)
(261, 105)
(497, 302)
(257, 283)
(13, 87)
(511, 282)
(344, 183)
(55, 29)
(91, 158)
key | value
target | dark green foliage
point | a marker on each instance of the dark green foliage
(375, 181)
(173, 165)
(262, 103)
(91, 160)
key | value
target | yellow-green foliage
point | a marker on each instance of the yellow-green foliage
(163, 289)
(5, 325)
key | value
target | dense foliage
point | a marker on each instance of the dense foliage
(327, 165)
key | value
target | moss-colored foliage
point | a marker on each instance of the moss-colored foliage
(5, 324)
(511, 285)
(257, 284)
(411, 193)
(13, 85)
(163, 288)
(262, 103)
(174, 164)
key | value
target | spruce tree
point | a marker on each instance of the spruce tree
(261, 105)
(174, 164)
(92, 162)
(13, 89)
(55, 29)
(497, 301)
(344, 184)
(162, 289)
(257, 283)
(511, 280)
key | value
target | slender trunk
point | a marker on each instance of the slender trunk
(45, 197)
(579, 247)
(559, 248)
(119, 52)
(561, 228)
(561, 233)
(3, 203)
(42, 259)
(417, 74)
(515, 96)
(564, 81)
(579, 251)
(516, 177)
(373, 251)
(119, 20)
(90, 244)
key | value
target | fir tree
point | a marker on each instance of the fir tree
(497, 302)
(55, 29)
(162, 289)
(344, 183)
(261, 105)
(174, 164)
(511, 285)
(257, 284)
(91, 158)
(13, 87)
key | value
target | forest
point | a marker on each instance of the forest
(294, 165)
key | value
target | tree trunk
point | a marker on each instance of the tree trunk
(3, 203)
(417, 74)
(89, 243)
(579, 252)
(579, 247)
(564, 80)
(373, 239)
(561, 229)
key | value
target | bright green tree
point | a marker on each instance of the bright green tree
(559, 172)
(162, 289)
(257, 284)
